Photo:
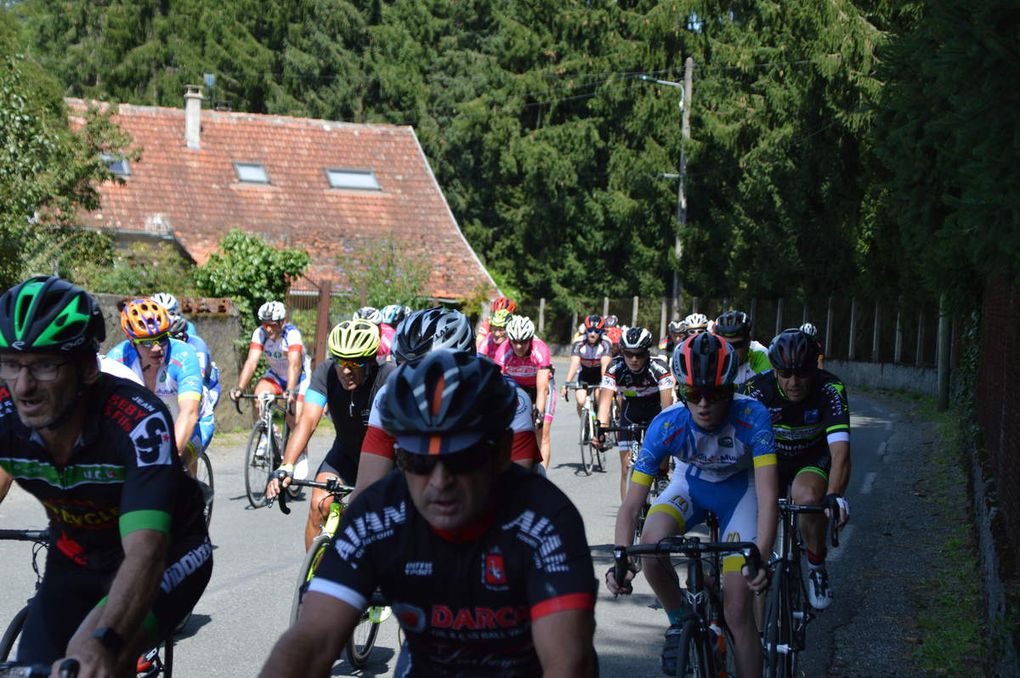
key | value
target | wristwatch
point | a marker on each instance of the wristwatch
(109, 639)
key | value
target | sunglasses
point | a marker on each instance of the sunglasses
(457, 463)
(635, 354)
(800, 373)
(149, 343)
(695, 394)
(343, 363)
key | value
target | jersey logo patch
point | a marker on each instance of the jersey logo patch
(410, 617)
(152, 440)
(812, 416)
(725, 441)
(494, 571)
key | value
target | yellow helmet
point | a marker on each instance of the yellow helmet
(354, 339)
(500, 318)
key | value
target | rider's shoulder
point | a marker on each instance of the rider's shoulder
(748, 410)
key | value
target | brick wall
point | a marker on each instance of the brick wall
(998, 408)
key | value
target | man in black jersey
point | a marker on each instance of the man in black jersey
(811, 421)
(644, 384)
(129, 554)
(485, 564)
(347, 382)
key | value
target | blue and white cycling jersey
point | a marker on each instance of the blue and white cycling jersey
(179, 377)
(744, 441)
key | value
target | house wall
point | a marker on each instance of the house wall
(222, 332)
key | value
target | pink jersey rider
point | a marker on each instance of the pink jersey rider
(525, 370)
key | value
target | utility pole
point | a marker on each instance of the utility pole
(686, 90)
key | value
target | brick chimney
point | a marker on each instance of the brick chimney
(193, 117)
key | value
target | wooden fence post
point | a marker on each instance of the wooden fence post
(573, 323)
(804, 315)
(874, 334)
(753, 313)
(322, 326)
(662, 318)
(853, 327)
(779, 317)
(694, 304)
(605, 306)
(541, 316)
(942, 359)
(919, 353)
(828, 328)
(633, 313)
(898, 350)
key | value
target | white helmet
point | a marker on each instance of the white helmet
(167, 301)
(810, 330)
(696, 321)
(520, 328)
(272, 311)
(369, 313)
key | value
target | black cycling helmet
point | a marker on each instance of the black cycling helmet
(636, 339)
(704, 360)
(414, 335)
(46, 314)
(179, 328)
(733, 326)
(793, 349)
(446, 402)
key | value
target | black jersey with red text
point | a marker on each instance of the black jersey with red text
(124, 475)
(466, 602)
(810, 425)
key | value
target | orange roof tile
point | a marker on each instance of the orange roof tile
(195, 196)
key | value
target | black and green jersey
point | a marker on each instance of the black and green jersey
(810, 425)
(124, 475)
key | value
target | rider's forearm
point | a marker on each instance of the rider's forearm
(246, 372)
(626, 517)
(184, 424)
(572, 370)
(293, 370)
(296, 655)
(136, 582)
(766, 481)
(839, 473)
(302, 433)
(5, 483)
(605, 404)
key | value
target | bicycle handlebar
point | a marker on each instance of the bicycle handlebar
(333, 486)
(68, 669)
(687, 546)
(25, 535)
(787, 506)
(261, 397)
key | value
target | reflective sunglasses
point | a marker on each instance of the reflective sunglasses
(149, 343)
(42, 371)
(344, 363)
(635, 354)
(695, 394)
(457, 463)
(800, 373)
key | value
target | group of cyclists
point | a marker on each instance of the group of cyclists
(444, 431)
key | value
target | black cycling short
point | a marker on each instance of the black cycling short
(340, 464)
(69, 592)
(589, 376)
(636, 411)
(817, 461)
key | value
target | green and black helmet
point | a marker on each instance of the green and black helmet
(46, 314)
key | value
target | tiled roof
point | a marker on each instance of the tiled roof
(195, 196)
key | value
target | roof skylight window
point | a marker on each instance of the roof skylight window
(361, 180)
(251, 173)
(117, 164)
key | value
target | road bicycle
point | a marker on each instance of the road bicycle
(362, 640)
(204, 476)
(158, 661)
(592, 455)
(264, 453)
(68, 669)
(706, 643)
(637, 433)
(787, 612)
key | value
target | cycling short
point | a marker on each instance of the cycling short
(550, 400)
(340, 464)
(734, 501)
(69, 592)
(206, 428)
(589, 376)
(636, 411)
(817, 461)
(279, 383)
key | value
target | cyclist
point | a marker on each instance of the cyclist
(645, 387)
(735, 327)
(725, 463)
(614, 333)
(494, 343)
(590, 356)
(168, 367)
(497, 304)
(211, 388)
(528, 362)
(812, 331)
(375, 316)
(675, 333)
(695, 323)
(284, 349)
(173, 309)
(485, 564)
(346, 384)
(130, 553)
(811, 420)
(420, 333)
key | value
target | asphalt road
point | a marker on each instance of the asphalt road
(258, 552)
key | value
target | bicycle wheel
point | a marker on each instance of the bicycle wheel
(258, 468)
(205, 481)
(693, 660)
(584, 441)
(362, 640)
(778, 626)
(311, 563)
(10, 637)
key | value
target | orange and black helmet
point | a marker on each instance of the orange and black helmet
(594, 323)
(705, 360)
(144, 319)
